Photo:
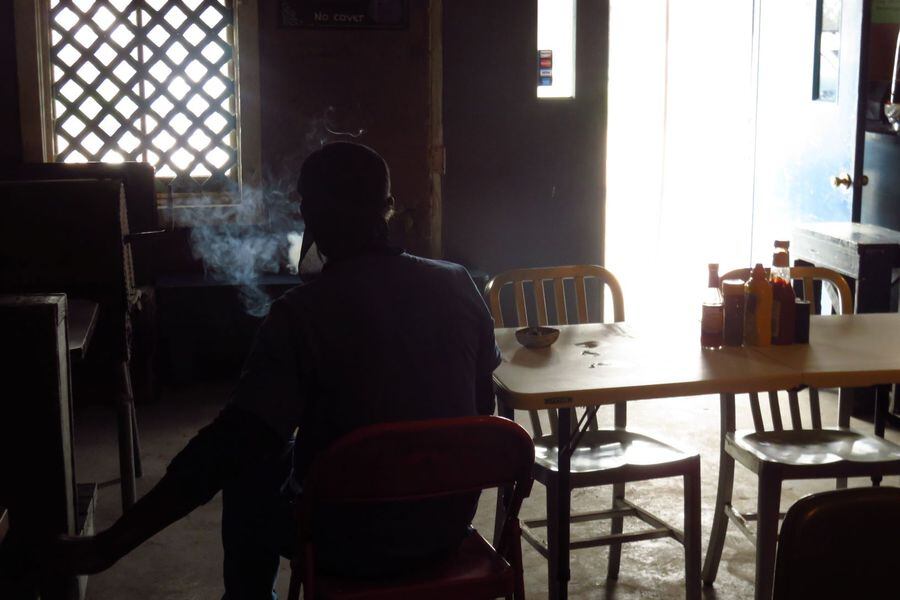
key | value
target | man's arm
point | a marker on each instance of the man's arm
(488, 359)
(220, 453)
(253, 429)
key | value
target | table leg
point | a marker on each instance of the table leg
(125, 406)
(873, 295)
(882, 398)
(559, 572)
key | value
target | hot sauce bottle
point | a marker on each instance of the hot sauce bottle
(783, 299)
(758, 309)
(712, 321)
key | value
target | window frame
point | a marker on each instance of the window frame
(32, 31)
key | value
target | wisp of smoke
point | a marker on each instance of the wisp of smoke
(247, 240)
(263, 233)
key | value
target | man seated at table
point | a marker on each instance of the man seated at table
(379, 336)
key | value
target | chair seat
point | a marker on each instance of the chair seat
(607, 450)
(475, 570)
(808, 447)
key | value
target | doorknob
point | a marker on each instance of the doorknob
(846, 181)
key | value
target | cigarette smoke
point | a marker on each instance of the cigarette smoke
(263, 233)
(258, 236)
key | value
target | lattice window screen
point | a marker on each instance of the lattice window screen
(147, 80)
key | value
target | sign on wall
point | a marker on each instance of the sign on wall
(345, 14)
(886, 11)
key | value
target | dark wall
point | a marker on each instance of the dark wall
(524, 182)
(10, 133)
(312, 81)
(525, 178)
(376, 81)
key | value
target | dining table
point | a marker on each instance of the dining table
(605, 363)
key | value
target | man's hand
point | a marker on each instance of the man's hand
(70, 555)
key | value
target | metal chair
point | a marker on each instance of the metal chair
(603, 456)
(420, 460)
(783, 451)
(839, 544)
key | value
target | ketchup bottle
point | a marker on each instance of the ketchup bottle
(783, 299)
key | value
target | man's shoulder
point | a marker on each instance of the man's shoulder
(435, 264)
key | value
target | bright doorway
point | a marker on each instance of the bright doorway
(680, 149)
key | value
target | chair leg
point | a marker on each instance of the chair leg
(845, 406)
(519, 593)
(125, 410)
(552, 536)
(766, 533)
(136, 438)
(692, 532)
(720, 519)
(503, 494)
(126, 456)
(616, 523)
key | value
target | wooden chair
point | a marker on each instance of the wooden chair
(70, 236)
(783, 451)
(604, 456)
(839, 544)
(418, 460)
(139, 184)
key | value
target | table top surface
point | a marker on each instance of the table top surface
(606, 363)
(852, 233)
(845, 350)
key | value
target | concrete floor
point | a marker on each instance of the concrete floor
(184, 561)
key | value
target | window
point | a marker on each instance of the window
(556, 48)
(157, 81)
(827, 65)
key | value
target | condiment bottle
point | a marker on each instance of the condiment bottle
(758, 309)
(783, 299)
(711, 323)
(733, 330)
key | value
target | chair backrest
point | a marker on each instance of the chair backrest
(538, 279)
(416, 460)
(806, 280)
(839, 544)
(138, 181)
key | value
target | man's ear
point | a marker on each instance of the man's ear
(307, 242)
(388, 208)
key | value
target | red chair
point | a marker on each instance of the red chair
(412, 461)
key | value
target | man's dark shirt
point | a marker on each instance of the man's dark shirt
(381, 337)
